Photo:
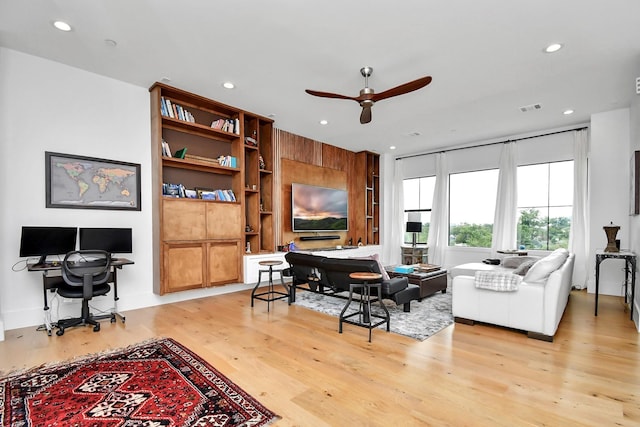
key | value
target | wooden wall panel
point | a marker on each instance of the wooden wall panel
(337, 158)
(299, 148)
(303, 173)
(306, 161)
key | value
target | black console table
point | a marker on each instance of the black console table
(629, 265)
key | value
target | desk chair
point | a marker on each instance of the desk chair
(85, 274)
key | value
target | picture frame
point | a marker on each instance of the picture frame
(82, 182)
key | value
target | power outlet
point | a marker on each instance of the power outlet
(638, 85)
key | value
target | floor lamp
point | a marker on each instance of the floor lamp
(414, 225)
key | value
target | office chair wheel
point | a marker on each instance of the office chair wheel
(113, 320)
(60, 332)
(96, 328)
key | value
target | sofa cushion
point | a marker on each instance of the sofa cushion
(545, 266)
(523, 268)
(375, 257)
(516, 261)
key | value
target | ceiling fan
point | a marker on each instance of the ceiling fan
(368, 97)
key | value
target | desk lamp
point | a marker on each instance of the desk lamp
(414, 225)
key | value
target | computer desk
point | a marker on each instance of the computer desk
(51, 282)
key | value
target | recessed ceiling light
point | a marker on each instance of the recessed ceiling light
(228, 85)
(62, 26)
(165, 79)
(554, 47)
(393, 147)
(324, 122)
(567, 112)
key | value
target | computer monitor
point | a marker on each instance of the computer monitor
(112, 240)
(43, 241)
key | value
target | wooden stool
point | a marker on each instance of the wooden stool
(270, 294)
(364, 309)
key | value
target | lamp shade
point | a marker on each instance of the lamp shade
(414, 217)
(414, 227)
(414, 222)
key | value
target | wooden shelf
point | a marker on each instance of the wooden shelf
(200, 243)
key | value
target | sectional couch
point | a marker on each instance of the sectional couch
(496, 294)
(331, 276)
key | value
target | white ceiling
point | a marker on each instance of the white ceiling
(485, 58)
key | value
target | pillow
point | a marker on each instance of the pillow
(385, 275)
(523, 268)
(516, 261)
(545, 266)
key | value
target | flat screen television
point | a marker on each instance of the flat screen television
(112, 240)
(316, 208)
(43, 241)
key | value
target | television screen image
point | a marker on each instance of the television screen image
(316, 208)
(112, 240)
(43, 241)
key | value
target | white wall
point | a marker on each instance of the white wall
(634, 222)
(609, 182)
(47, 106)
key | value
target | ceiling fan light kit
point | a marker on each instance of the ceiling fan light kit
(368, 97)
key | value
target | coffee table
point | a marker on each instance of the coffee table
(429, 283)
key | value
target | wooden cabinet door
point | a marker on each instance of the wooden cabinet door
(183, 266)
(224, 221)
(223, 262)
(183, 220)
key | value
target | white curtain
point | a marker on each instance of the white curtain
(504, 219)
(578, 235)
(397, 226)
(438, 240)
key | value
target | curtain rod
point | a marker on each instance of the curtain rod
(492, 143)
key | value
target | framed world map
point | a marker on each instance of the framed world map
(89, 183)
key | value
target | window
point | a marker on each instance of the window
(545, 204)
(418, 197)
(472, 202)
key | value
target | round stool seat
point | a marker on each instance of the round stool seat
(270, 263)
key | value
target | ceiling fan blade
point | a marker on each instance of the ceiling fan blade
(365, 116)
(402, 89)
(329, 95)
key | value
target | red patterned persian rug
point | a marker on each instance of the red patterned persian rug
(152, 384)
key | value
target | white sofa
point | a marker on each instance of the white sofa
(536, 306)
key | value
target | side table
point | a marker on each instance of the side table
(364, 309)
(629, 265)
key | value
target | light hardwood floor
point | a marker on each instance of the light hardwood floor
(295, 363)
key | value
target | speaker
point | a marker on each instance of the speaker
(332, 237)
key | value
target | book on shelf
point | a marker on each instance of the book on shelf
(166, 150)
(173, 190)
(175, 111)
(180, 153)
(227, 125)
(228, 161)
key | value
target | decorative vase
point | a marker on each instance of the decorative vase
(611, 231)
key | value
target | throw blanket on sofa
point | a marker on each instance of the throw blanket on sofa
(497, 281)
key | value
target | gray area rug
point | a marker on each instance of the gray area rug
(426, 318)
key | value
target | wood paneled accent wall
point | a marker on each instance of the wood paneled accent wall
(307, 161)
